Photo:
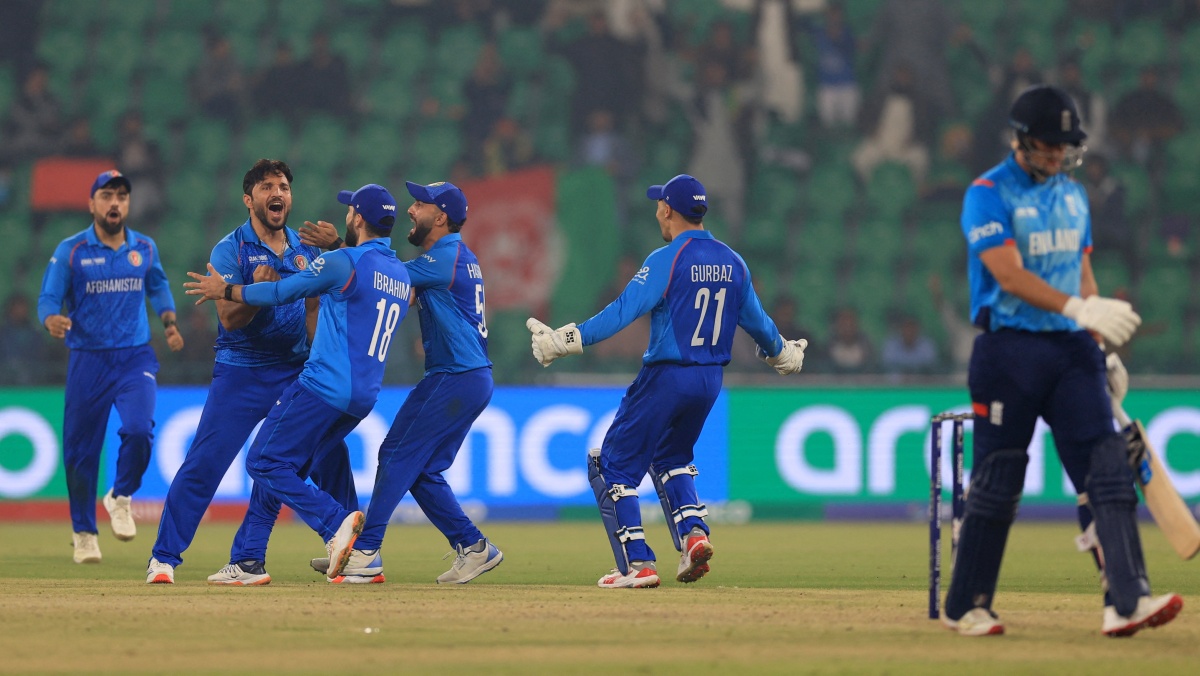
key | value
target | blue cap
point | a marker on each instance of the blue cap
(446, 196)
(373, 201)
(107, 177)
(683, 194)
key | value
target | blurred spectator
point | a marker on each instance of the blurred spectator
(1144, 120)
(218, 84)
(141, 163)
(607, 70)
(720, 115)
(325, 79)
(849, 350)
(280, 88)
(486, 92)
(1093, 111)
(907, 350)
(19, 20)
(960, 332)
(916, 33)
(993, 136)
(838, 94)
(899, 127)
(949, 176)
(722, 47)
(78, 140)
(1111, 232)
(21, 346)
(507, 148)
(34, 123)
(602, 145)
(780, 75)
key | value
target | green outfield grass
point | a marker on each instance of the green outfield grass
(781, 598)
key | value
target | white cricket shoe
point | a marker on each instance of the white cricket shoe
(1151, 611)
(120, 510)
(364, 567)
(342, 543)
(320, 564)
(471, 562)
(87, 548)
(241, 574)
(693, 563)
(976, 622)
(160, 573)
(640, 578)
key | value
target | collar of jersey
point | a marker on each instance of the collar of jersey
(447, 240)
(248, 235)
(382, 242)
(698, 234)
(93, 240)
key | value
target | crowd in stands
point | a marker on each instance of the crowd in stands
(835, 137)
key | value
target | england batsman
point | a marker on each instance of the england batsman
(697, 291)
(1034, 296)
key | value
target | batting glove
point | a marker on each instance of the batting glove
(550, 344)
(789, 360)
(1113, 319)
(1118, 378)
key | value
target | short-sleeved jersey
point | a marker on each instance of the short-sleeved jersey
(365, 292)
(276, 335)
(104, 290)
(450, 303)
(698, 292)
(1050, 225)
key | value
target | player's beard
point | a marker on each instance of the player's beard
(418, 235)
(110, 228)
(351, 237)
(264, 215)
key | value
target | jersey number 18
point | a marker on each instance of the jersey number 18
(392, 310)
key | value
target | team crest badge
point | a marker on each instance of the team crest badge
(301, 262)
(135, 258)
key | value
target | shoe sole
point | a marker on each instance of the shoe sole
(239, 583)
(650, 585)
(88, 559)
(343, 554)
(1156, 619)
(358, 579)
(161, 578)
(480, 571)
(699, 567)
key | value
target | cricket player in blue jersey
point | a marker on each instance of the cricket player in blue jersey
(437, 415)
(365, 293)
(697, 291)
(259, 352)
(1034, 296)
(94, 298)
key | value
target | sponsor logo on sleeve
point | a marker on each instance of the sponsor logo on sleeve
(317, 264)
(642, 275)
(986, 230)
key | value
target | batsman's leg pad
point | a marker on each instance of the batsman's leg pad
(621, 514)
(676, 488)
(991, 507)
(1114, 503)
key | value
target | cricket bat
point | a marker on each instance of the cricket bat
(1169, 510)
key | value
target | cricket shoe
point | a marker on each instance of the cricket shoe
(1151, 611)
(342, 543)
(364, 567)
(471, 562)
(160, 573)
(693, 563)
(242, 574)
(976, 622)
(87, 548)
(645, 577)
(120, 511)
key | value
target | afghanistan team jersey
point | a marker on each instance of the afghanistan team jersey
(450, 304)
(698, 291)
(1048, 222)
(365, 292)
(104, 290)
(276, 335)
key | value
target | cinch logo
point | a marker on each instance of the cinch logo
(135, 258)
(301, 262)
(986, 230)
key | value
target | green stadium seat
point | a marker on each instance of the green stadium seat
(552, 141)
(765, 238)
(377, 146)
(559, 78)
(118, 53)
(299, 18)
(831, 192)
(9, 90)
(878, 243)
(457, 51)
(176, 52)
(521, 50)
(822, 240)
(1111, 272)
(391, 101)
(982, 17)
(188, 14)
(815, 290)
(248, 47)
(1165, 290)
(72, 17)
(165, 96)
(351, 40)
(1179, 190)
(1138, 191)
(1040, 16)
(938, 248)
(207, 143)
(1188, 48)
(774, 194)
(1097, 47)
(267, 137)
(192, 194)
(63, 50)
(1142, 43)
(890, 192)
(1160, 344)
(241, 16)
(322, 143)
(135, 15)
(407, 51)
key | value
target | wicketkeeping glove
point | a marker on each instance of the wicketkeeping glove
(1118, 378)
(789, 360)
(1113, 319)
(550, 344)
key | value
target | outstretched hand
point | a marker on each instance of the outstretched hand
(210, 287)
(550, 344)
(321, 234)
